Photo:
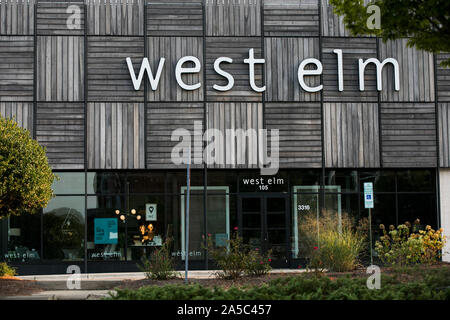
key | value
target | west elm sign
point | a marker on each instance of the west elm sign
(302, 72)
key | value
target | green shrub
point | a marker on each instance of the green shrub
(6, 270)
(236, 259)
(303, 287)
(160, 266)
(332, 242)
(407, 244)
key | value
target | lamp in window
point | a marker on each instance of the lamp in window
(123, 214)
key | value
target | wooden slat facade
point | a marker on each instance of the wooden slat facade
(408, 135)
(291, 18)
(21, 112)
(416, 73)
(351, 135)
(332, 24)
(444, 134)
(60, 128)
(108, 75)
(59, 18)
(172, 49)
(299, 126)
(115, 17)
(283, 56)
(17, 17)
(16, 68)
(162, 120)
(60, 68)
(352, 50)
(115, 136)
(442, 78)
(233, 17)
(174, 18)
(245, 116)
(237, 49)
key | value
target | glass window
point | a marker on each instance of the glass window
(227, 178)
(148, 226)
(304, 177)
(346, 180)
(304, 205)
(220, 215)
(21, 238)
(106, 182)
(342, 203)
(417, 206)
(105, 229)
(415, 181)
(69, 183)
(383, 181)
(196, 225)
(64, 228)
(177, 179)
(147, 182)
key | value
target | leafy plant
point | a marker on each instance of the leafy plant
(161, 265)
(25, 175)
(407, 244)
(236, 259)
(332, 241)
(6, 270)
(426, 24)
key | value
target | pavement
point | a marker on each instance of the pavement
(94, 286)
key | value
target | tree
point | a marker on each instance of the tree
(425, 22)
(25, 175)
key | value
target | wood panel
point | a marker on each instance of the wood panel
(443, 78)
(60, 128)
(58, 18)
(17, 17)
(299, 126)
(115, 136)
(444, 134)
(16, 68)
(283, 57)
(352, 50)
(351, 135)
(172, 49)
(408, 135)
(237, 49)
(416, 73)
(291, 18)
(115, 17)
(245, 116)
(108, 75)
(162, 120)
(175, 18)
(21, 112)
(233, 17)
(60, 68)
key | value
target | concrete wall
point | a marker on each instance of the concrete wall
(445, 209)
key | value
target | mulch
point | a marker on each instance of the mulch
(12, 286)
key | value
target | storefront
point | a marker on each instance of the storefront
(343, 111)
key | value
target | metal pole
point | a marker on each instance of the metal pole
(370, 235)
(186, 249)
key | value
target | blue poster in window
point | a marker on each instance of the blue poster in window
(106, 231)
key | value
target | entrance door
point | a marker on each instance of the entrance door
(263, 221)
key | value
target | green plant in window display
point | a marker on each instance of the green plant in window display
(25, 175)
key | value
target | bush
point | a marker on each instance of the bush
(433, 286)
(331, 245)
(160, 266)
(407, 244)
(6, 270)
(236, 259)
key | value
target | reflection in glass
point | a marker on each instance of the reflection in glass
(69, 183)
(415, 180)
(347, 180)
(383, 181)
(64, 228)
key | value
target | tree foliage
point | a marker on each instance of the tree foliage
(25, 175)
(425, 22)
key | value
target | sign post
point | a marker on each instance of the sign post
(368, 204)
(186, 249)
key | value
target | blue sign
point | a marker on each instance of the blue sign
(368, 195)
(106, 231)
